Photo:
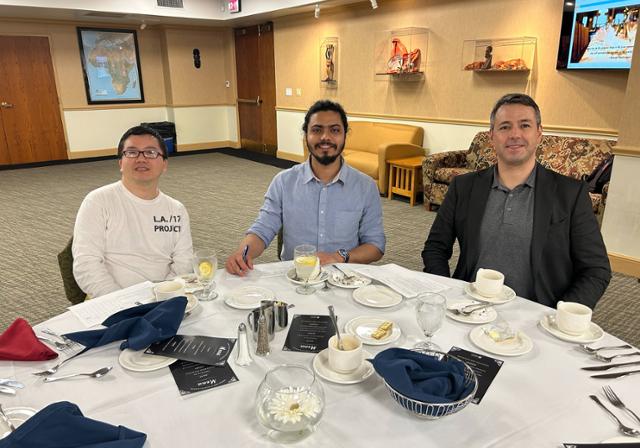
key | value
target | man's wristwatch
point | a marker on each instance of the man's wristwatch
(344, 254)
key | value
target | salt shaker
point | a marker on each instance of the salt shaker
(243, 357)
(262, 347)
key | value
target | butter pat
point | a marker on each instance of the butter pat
(384, 329)
(500, 333)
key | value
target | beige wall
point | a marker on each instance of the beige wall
(582, 101)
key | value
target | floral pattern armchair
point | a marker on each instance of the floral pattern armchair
(571, 156)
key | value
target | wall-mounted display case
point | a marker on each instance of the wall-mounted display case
(329, 52)
(401, 53)
(499, 55)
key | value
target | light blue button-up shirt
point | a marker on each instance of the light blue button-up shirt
(342, 214)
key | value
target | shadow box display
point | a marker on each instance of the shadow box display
(499, 55)
(401, 53)
(329, 65)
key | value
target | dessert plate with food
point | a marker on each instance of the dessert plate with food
(373, 330)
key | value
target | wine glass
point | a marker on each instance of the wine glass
(430, 309)
(205, 264)
(305, 260)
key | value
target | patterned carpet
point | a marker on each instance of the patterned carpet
(223, 194)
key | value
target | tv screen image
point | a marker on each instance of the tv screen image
(598, 34)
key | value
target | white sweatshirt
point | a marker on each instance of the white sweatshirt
(120, 239)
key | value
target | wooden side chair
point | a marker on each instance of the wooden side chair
(71, 289)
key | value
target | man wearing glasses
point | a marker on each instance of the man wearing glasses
(129, 231)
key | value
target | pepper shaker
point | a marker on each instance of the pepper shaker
(262, 347)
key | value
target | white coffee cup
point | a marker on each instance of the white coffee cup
(573, 318)
(347, 360)
(489, 282)
(168, 290)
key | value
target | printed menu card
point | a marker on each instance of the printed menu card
(201, 349)
(193, 377)
(309, 333)
(485, 367)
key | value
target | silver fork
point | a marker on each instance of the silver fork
(599, 357)
(346, 276)
(617, 402)
(624, 429)
(592, 350)
(55, 368)
(65, 339)
(469, 309)
(59, 345)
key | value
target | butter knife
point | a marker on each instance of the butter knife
(11, 383)
(612, 366)
(7, 390)
(615, 375)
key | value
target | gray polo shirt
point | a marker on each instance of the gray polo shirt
(505, 233)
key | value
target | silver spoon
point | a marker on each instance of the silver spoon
(55, 368)
(627, 431)
(97, 374)
(334, 319)
(592, 350)
(599, 357)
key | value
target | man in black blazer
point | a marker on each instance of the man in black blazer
(530, 223)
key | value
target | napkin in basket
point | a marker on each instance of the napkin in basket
(139, 326)
(19, 343)
(422, 377)
(62, 425)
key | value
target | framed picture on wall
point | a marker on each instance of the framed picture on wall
(329, 62)
(110, 65)
(234, 5)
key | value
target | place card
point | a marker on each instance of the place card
(191, 377)
(201, 349)
(309, 333)
(485, 367)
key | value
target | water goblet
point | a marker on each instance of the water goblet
(430, 309)
(205, 264)
(307, 264)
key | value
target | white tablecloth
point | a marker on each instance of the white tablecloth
(538, 399)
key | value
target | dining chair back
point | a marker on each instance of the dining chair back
(71, 289)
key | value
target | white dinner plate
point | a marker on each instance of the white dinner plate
(139, 361)
(377, 296)
(17, 415)
(364, 326)
(520, 345)
(482, 316)
(247, 297)
(357, 281)
(291, 275)
(506, 295)
(621, 439)
(593, 334)
(324, 371)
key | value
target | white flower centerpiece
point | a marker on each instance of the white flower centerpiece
(289, 402)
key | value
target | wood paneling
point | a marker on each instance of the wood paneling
(32, 123)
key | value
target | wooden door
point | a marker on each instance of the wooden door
(256, 81)
(29, 109)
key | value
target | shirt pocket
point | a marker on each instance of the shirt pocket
(347, 226)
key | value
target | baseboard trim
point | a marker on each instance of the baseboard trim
(290, 156)
(207, 145)
(93, 153)
(625, 264)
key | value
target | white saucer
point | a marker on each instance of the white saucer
(621, 439)
(192, 302)
(139, 361)
(357, 281)
(506, 295)
(291, 276)
(521, 345)
(377, 296)
(363, 326)
(321, 367)
(483, 316)
(247, 297)
(17, 415)
(593, 334)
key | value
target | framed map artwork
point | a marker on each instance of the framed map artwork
(110, 65)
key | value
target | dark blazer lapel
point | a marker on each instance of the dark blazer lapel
(480, 188)
(545, 193)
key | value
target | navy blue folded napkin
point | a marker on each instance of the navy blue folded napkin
(139, 326)
(422, 377)
(62, 425)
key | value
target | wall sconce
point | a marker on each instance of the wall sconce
(143, 25)
(316, 11)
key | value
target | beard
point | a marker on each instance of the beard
(325, 159)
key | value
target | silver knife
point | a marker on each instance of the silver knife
(7, 390)
(612, 366)
(615, 375)
(11, 383)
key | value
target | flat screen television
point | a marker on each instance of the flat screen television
(598, 34)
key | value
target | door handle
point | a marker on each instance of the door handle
(257, 101)
(6, 105)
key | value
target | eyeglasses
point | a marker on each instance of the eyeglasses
(147, 153)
